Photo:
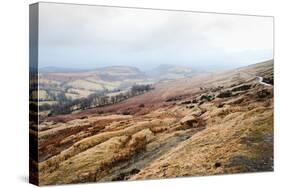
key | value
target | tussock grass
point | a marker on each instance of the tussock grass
(92, 141)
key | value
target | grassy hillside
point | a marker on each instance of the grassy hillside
(204, 125)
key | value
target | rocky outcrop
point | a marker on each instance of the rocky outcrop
(224, 94)
(241, 88)
(263, 93)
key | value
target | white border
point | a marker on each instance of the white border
(14, 90)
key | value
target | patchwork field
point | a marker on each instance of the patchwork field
(82, 83)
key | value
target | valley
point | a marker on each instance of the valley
(64, 92)
(186, 125)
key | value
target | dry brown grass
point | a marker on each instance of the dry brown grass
(164, 139)
(219, 144)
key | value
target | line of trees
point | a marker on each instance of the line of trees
(66, 106)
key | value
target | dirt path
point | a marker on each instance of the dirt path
(261, 81)
(125, 170)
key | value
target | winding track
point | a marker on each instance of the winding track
(260, 79)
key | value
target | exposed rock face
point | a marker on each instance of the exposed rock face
(220, 149)
(186, 102)
(206, 98)
(241, 88)
(224, 94)
(228, 134)
(217, 88)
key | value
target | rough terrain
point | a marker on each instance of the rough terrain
(204, 125)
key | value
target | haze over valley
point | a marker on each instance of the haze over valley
(133, 94)
(225, 119)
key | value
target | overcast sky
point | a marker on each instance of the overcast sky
(77, 36)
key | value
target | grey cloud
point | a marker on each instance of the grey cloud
(91, 36)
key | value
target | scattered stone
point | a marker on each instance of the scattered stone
(217, 165)
(263, 93)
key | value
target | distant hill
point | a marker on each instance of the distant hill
(210, 124)
(167, 71)
(114, 73)
(119, 69)
(52, 69)
(75, 83)
(78, 83)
